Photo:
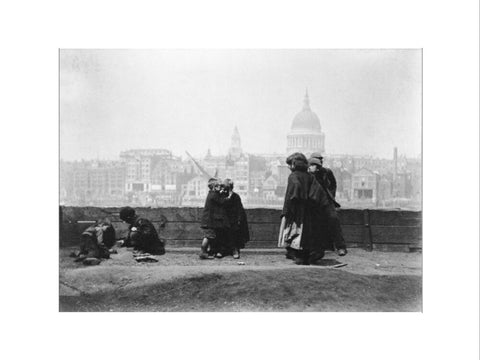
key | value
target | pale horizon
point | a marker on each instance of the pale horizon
(368, 101)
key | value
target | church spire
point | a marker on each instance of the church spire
(235, 138)
(306, 101)
(235, 132)
(235, 146)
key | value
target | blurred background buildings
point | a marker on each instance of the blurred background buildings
(158, 178)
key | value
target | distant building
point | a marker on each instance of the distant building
(195, 191)
(256, 175)
(269, 187)
(235, 166)
(214, 165)
(92, 182)
(235, 150)
(283, 172)
(238, 171)
(364, 186)
(66, 182)
(414, 166)
(344, 183)
(402, 185)
(154, 176)
(149, 169)
(384, 190)
(256, 179)
(306, 134)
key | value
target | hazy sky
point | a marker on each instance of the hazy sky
(368, 101)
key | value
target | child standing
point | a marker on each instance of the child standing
(215, 223)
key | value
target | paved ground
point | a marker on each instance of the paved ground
(179, 281)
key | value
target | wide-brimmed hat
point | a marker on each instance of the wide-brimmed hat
(295, 156)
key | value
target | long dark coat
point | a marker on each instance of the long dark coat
(238, 221)
(326, 226)
(145, 237)
(326, 177)
(319, 201)
(214, 214)
(320, 193)
(296, 207)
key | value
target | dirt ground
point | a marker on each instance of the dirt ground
(267, 281)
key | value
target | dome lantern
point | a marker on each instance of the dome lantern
(306, 102)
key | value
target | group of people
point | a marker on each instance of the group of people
(310, 224)
(98, 240)
(224, 221)
(309, 221)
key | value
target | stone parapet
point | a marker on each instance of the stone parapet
(372, 229)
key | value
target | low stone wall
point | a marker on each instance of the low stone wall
(391, 230)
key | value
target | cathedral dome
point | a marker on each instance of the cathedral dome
(306, 134)
(306, 119)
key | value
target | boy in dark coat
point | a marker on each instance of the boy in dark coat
(237, 217)
(142, 235)
(214, 222)
(327, 225)
(324, 175)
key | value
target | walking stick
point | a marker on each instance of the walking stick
(281, 242)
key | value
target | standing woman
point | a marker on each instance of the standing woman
(297, 234)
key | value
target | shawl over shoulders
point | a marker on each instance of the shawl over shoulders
(296, 196)
(298, 185)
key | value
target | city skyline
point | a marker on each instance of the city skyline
(185, 157)
(368, 101)
(156, 178)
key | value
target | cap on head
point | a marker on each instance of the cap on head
(317, 155)
(212, 182)
(314, 161)
(127, 213)
(228, 183)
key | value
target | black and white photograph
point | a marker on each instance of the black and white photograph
(244, 180)
(241, 180)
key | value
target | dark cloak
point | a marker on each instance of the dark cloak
(323, 213)
(145, 238)
(214, 215)
(320, 193)
(326, 177)
(296, 207)
(238, 221)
